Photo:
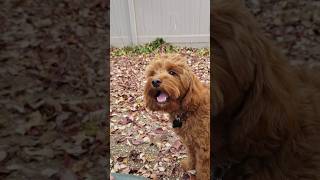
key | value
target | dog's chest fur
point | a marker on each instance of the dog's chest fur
(194, 125)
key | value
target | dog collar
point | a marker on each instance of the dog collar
(178, 119)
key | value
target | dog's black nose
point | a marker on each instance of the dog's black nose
(156, 83)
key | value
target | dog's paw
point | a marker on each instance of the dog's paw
(186, 165)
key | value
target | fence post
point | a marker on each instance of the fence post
(132, 20)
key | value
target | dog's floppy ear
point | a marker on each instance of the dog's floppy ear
(192, 97)
(257, 85)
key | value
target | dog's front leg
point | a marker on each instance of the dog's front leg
(189, 163)
(203, 164)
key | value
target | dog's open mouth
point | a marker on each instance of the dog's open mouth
(162, 97)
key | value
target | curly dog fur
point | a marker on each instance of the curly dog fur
(267, 113)
(182, 92)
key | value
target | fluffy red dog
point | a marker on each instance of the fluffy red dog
(172, 87)
(267, 113)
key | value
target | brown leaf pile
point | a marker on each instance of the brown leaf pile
(294, 25)
(52, 89)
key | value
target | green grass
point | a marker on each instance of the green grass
(203, 52)
(153, 47)
(156, 46)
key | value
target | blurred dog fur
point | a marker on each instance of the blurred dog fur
(172, 87)
(266, 123)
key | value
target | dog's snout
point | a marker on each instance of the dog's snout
(156, 83)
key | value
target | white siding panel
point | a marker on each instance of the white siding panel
(181, 22)
(119, 23)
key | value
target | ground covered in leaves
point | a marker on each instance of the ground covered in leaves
(52, 90)
(142, 142)
(293, 25)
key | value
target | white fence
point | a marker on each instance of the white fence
(180, 22)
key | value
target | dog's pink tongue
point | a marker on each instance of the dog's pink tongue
(162, 97)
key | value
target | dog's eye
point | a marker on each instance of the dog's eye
(150, 73)
(171, 72)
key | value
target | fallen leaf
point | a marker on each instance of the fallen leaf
(3, 155)
(47, 152)
(177, 145)
(136, 141)
(49, 172)
(67, 174)
(158, 131)
(125, 121)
